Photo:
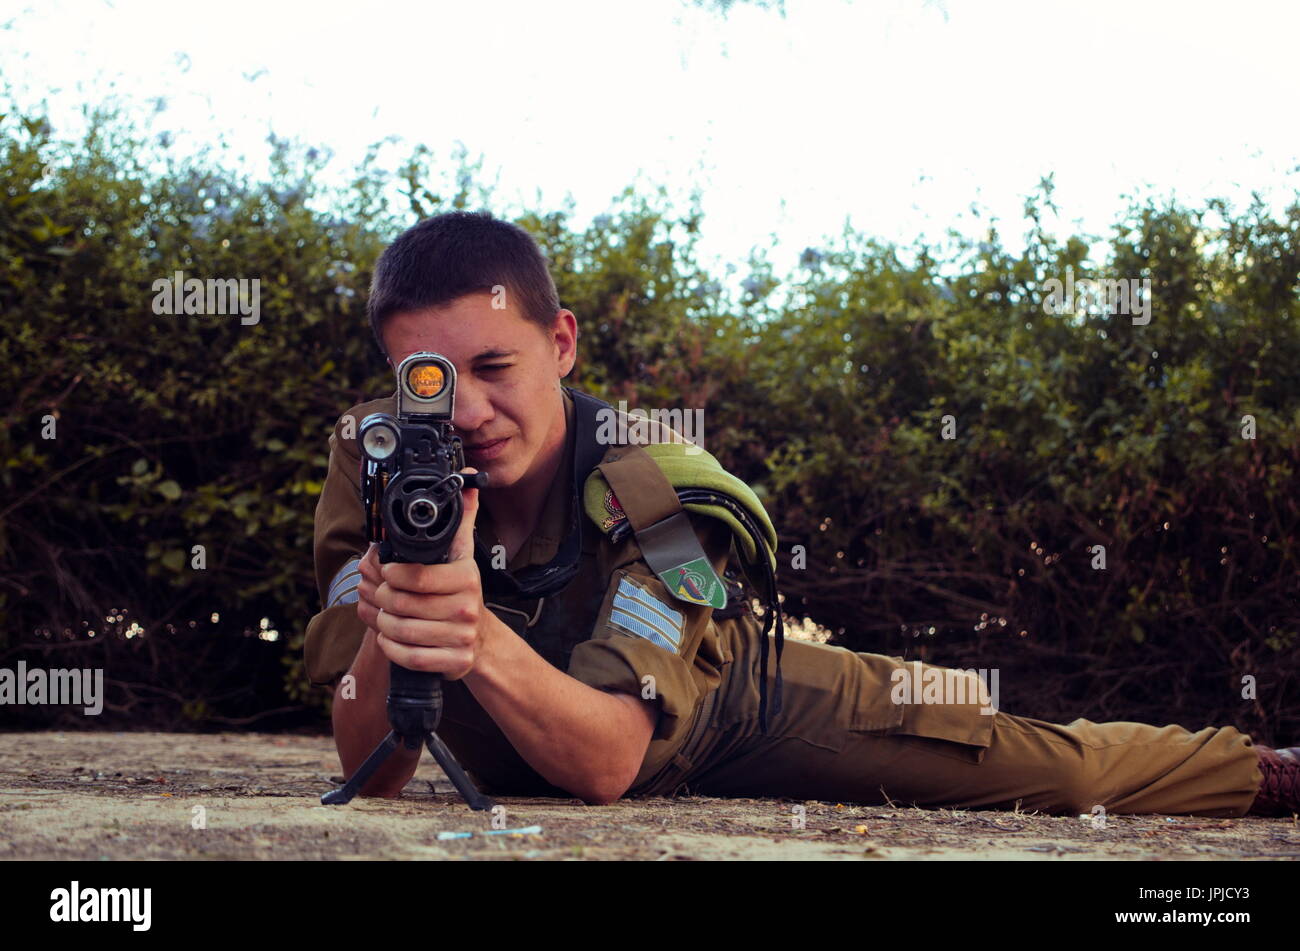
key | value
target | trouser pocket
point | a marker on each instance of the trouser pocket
(911, 698)
(831, 694)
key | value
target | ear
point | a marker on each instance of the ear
(564, 336)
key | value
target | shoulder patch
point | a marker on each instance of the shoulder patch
(641, 613)
(695, 582)
(615, 513)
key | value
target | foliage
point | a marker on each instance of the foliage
(826, 389)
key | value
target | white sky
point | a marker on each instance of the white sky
(897, 114)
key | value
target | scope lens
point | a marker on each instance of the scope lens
(426, 380)
(379, 441)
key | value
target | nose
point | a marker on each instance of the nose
(473, 406)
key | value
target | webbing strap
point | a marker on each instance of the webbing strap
(643, 491)
(663, 529)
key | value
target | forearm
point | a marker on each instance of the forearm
(576, 737)
(360, 723)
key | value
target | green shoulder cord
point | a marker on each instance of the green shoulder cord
(655, 510)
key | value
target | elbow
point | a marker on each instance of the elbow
(608, 786)
(602, 796)
(601, 792)
(613, 766)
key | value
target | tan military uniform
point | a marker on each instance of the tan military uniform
(839, 736)
(613, 627)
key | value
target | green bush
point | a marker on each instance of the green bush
(826, 389)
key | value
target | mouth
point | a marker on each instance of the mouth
(486, 450)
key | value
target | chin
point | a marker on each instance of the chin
(501, 473)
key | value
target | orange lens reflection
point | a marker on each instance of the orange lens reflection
(426, 380)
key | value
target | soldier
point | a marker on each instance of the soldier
(594, 634)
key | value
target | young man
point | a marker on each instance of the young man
(576, 670)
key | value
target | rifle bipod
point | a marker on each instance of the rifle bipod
(414, 709)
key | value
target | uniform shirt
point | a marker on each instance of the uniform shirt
(614, 626)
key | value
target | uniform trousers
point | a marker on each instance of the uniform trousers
(843, 736)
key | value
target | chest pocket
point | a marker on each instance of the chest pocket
(553, 626)
(517, 618)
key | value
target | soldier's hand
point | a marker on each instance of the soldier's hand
(428, 617)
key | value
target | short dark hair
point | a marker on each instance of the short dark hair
(445, 257)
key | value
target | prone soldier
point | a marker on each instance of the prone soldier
(593, 624)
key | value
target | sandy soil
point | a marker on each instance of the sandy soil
(134, 796)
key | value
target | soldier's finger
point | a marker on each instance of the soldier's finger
(419, 633)
(369, 566)
(430, 579)
(462, 546)
(429, 607)
(367, 611)
(432, 660)
(366, 592)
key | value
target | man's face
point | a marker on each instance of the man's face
(508, 406)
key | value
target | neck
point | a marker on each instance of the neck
(519, 506)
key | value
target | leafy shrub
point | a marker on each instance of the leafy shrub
(826, 389)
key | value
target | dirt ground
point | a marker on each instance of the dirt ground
(136, 796)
